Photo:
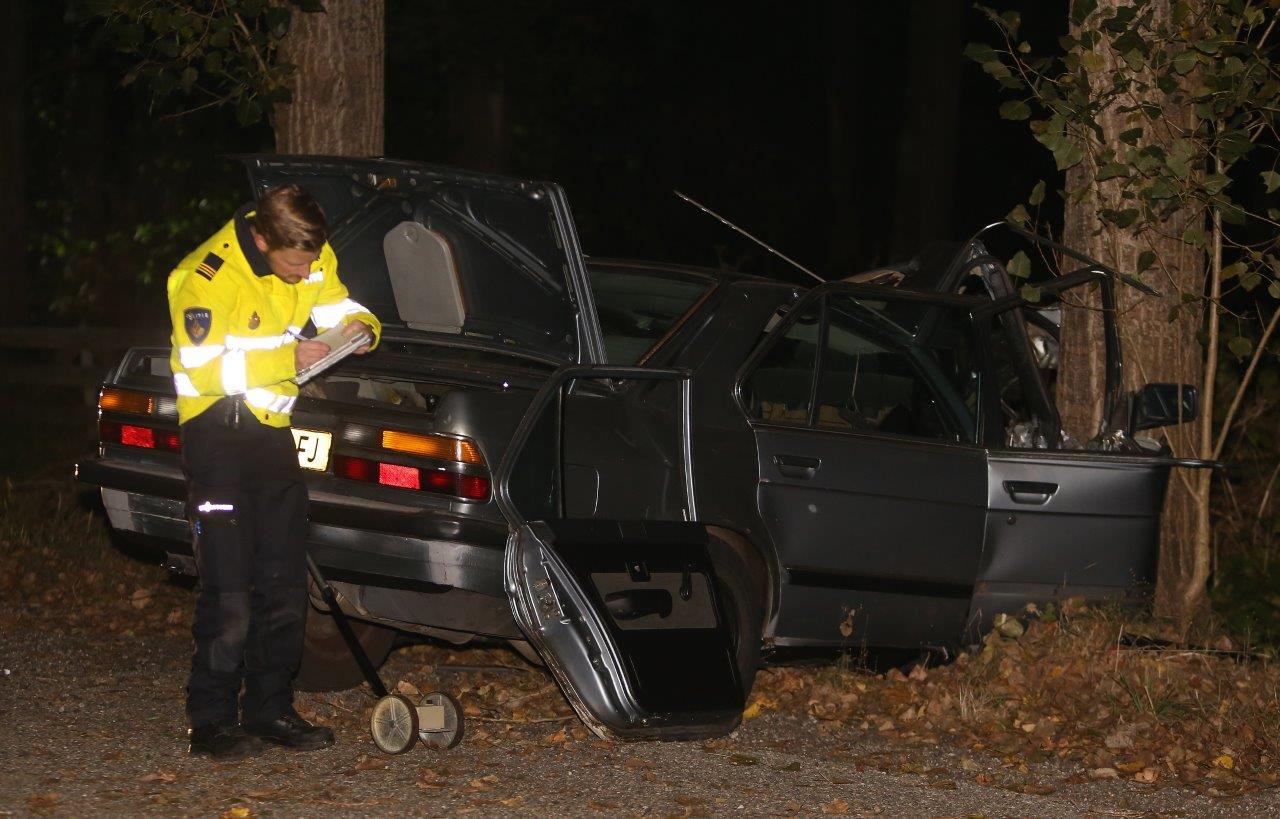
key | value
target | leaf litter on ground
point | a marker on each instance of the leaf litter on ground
(1073, 685)
(1065, 685)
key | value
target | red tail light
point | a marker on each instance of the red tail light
(405, 477)
(165, 440)
(442, 481)
(473, 487)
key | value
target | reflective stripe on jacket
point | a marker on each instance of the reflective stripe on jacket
(233, 321)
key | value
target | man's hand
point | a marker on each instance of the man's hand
(308, 352)
(355, 328)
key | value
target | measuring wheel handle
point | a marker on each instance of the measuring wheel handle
(394, 724)
(440, 721)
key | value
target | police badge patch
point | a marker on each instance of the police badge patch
(197, 321)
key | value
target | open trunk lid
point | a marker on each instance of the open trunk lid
(451, 253)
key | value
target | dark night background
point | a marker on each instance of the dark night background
(846, 134)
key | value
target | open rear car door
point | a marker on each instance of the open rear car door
(628, 614)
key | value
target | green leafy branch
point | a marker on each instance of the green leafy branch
(208, 54)
(1219, 56)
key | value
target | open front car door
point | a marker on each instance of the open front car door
(628, 615)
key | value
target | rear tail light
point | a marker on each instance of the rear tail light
(441, 480)
(164, 440)
(440, 447)
(114, 399)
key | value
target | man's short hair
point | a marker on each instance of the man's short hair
(289, 217)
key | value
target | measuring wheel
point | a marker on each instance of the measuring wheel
(394, 724)
(440, 721)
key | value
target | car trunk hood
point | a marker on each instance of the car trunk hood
(440, 252)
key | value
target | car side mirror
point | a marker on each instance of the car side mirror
(1163, 405)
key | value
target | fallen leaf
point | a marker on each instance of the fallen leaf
(559, 736)
(238, 812)
(836, 805)
(744, 759)
(1008, 626)
(1224, 761)
(1130, 767)
(601, 807)
(1104, 773)
(751, 711)
(513, 802)
(141, 598)
(159, 776)
(1147, 775)
(409, 690)
(370, 763)
(43, 804)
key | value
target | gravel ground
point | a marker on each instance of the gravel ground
(94, 726)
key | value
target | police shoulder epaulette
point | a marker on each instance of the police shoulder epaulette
(209, 267)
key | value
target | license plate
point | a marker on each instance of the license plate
(313, 448)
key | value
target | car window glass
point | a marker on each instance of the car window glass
(779, 388)
(637, 309)
(877, 377)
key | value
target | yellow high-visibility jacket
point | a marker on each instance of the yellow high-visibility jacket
(234, 323)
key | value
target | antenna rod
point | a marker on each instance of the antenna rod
(727, 223)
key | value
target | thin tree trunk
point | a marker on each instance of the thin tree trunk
(338, 95)
(1155, 347)
(13, 237)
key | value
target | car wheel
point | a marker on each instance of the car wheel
(327, 664)
(745, 607)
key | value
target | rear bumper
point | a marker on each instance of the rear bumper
(354, 540)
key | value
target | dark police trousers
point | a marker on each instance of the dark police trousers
(247, 504)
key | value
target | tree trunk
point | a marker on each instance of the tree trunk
(338, 96)
(1155, 347)
(13, 236)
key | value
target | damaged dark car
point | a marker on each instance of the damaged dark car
(654, 478)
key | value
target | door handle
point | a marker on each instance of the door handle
(1030, 492)
(796, 466)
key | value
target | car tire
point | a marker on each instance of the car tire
(745, 607)
(327, 662)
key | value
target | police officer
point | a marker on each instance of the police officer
(238, 304)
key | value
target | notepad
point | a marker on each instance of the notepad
(339, 348)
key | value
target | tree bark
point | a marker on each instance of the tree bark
(1155, 347)
(338, 96)
(13, 236)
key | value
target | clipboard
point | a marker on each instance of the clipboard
(339, 348)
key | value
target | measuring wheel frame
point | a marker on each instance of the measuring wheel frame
(440, 720)
(394, 724)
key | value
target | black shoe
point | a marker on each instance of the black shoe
(223, 741)
(291, 731)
